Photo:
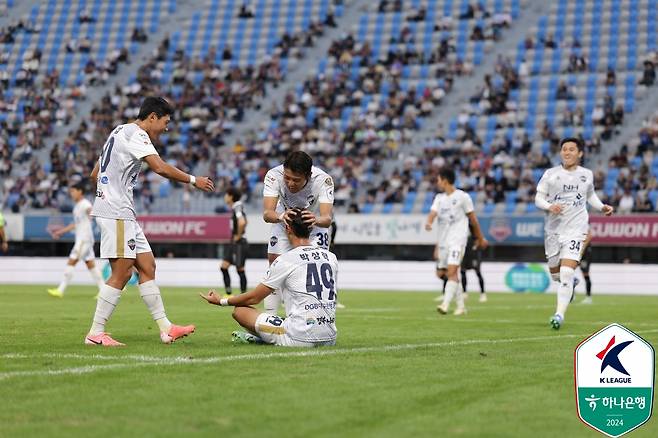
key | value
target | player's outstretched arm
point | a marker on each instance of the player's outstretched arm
(61, 231)
(170, 172)
(477, 231)
(250, 298)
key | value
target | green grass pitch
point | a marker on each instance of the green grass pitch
(400, 369)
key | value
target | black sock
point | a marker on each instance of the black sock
(227, 281)
(445, 281)
(464, 281)
(588, 286)
(243, 281)
(481, 280)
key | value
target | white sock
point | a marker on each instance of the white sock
(459, 296)
(451, 290)
(68, 273)
(272, 302)
(150, 293)
(564, 290)
(555, 276)
(95, 273)
(108, 298)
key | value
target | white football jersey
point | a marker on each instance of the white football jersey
(571, 189)
(319, 189)
(119, 167)
(83, 231)
(306, 276)
(452, 217)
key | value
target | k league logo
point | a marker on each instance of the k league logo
(614, 376)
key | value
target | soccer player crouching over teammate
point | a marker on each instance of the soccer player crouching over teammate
(83, 248)
(563, 192)
(297, 183)
(454, 209)
(122, 240)
(306, 277)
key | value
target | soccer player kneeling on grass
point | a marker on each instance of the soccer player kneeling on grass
(563, 192)
(306, 276)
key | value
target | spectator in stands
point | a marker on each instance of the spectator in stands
(649, 74)
(610, 77)
(643, 203)
(626, 202)
(549, 43)
(85, 16)
(563, 92)
(246, 10)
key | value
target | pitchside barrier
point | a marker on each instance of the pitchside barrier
(200, 274)
(633, 230)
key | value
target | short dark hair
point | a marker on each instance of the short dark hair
(297, 225)
(157, 105)
(578, 141)
(299, 162)
(80, 185)
(235, 193)
(447, 174)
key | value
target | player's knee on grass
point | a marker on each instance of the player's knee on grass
(246, 317)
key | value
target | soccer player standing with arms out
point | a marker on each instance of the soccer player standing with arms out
(236, 252)
(563, 192)
(454, 209)
(297, 183)
(122, 239)
(83, 248)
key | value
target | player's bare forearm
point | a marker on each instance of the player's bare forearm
(430, 220)
(476, 228)
(324, 218)
(250, 298)
(66, 229)
(269, 210)
(94, 173)
(168, 171)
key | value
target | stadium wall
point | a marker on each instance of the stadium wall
(199, 274)
(354, 229)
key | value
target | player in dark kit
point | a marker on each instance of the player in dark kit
(585, 261)
(236, 252)
(473, 260)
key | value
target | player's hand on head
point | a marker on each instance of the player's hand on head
(211, 297)
(204, 183)
(608, 210)
(308, 217)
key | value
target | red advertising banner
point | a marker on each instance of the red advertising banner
(625, 230)
(186, 228)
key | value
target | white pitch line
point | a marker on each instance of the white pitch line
(150, 360)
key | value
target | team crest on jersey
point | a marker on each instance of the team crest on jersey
(131, 244)
(454, 202)
(583, 178)
(273, 240)
(104, 179)
(329, 182)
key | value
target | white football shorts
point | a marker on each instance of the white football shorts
(83, 250)
(450, 255)
(271, 330)
(558, 247)
(121, 238)
(279, 243)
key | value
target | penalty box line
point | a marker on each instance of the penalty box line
(142, 361)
